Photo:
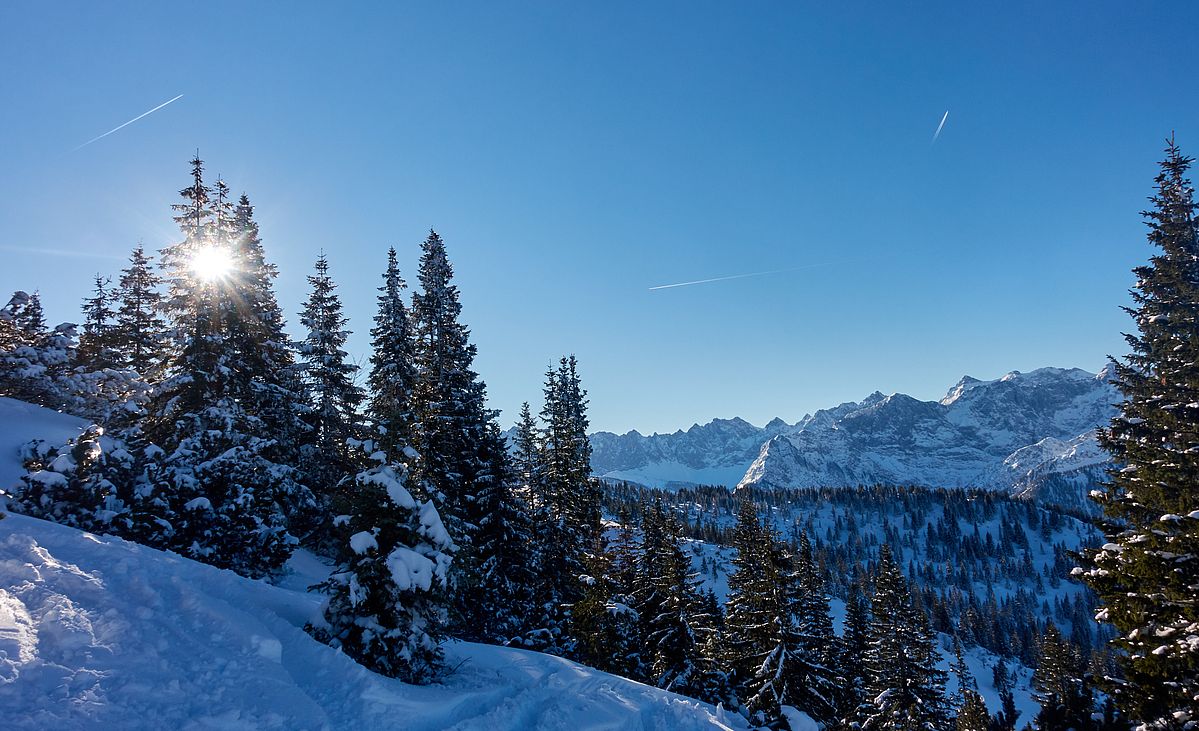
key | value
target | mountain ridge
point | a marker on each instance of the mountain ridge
(965, 439)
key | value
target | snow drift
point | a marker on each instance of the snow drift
(97, 632)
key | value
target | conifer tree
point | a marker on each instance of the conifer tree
(393, 373)
(973, 715)
(388, 604)
(451, 419)
(227, 496)
(495, 605)
(96, 342)
(1066, 700)
(764, 647)
(603, 624)
(856, 645)
(1147, 571)
(676, 626)
(329, 378)
(906, 690)
(140, 331)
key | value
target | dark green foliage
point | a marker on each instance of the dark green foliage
(771, 660)
(973, 714)
(1065, 696)
(97, 342)
(905, 690)
(329, 380)
(388, 597)
(1147, 572)
(140, 338)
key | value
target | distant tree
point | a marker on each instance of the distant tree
(96, 343)
(140, 331)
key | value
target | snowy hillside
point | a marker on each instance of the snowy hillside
(96, 632)
(99, 633)
(978, 435)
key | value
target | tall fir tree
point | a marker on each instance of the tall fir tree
(329, 379)
(392, 380)
(568, 503)
(765, 649)
(140, 337)
(906, 690)
(1147, 571)
(450, 427)
(227, 495)
(96, 350)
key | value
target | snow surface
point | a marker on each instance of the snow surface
(100, 633)
(97, 632)
(20, 423)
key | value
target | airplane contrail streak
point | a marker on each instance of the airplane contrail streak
(737, 276)
(59, 252)
(940, 126)
(114, 129)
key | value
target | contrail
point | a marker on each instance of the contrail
(940, 126)
(114, 129)
(738, 276)
(59, 252)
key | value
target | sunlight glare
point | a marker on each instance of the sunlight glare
(211, 263)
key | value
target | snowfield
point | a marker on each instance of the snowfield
(100, 633)
(97, 632)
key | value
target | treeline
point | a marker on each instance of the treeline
(219, 437)
(969, 553)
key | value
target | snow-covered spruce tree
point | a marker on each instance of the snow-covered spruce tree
(95, 482)
(37, 364)
(388, 603)
(140, 332)
(674, 621)
(256, 330)
(764, 647)
(329, 379)
(906, 690)
(569, 499)
(392, 379)
(855, 644)
(497, 604)
(227, 496)
(1146, 573)
(543, 626)
(603, 624)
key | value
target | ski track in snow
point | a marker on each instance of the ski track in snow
(99, 633)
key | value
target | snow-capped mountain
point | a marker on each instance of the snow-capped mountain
(1028, 432)
(715, 453)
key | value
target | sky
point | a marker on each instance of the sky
(576, 155)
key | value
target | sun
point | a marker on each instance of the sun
(212, 263)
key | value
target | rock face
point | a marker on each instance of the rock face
(1032, 433)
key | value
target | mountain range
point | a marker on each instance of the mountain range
(1033, 434)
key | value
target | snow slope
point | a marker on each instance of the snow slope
(96, 632)
(21, 422)
(100, 633)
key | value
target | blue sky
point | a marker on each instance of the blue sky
(573, 155)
